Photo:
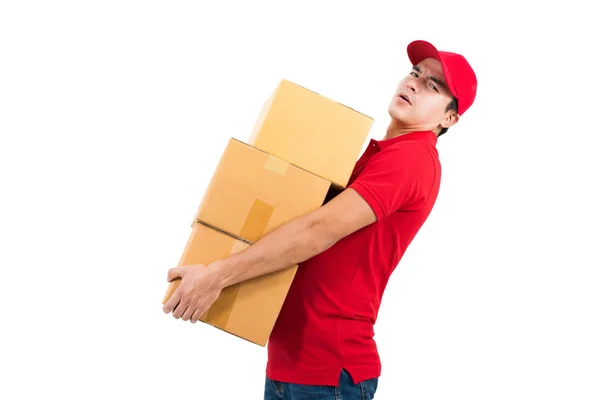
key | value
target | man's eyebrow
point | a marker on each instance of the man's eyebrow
(433, 78)
(439, 82)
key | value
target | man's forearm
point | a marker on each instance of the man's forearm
(285, 246)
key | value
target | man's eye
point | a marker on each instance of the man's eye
(414, 74)
(433, 87)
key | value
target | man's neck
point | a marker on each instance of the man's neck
(394, 130)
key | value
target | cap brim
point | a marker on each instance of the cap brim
(420, 50)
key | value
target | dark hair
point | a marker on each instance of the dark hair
(453, 105)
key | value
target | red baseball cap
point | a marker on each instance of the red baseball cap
(459, 75)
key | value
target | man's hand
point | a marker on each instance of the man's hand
(199, 288)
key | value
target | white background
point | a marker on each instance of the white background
(113, 115)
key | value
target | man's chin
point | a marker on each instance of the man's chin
(397, 115)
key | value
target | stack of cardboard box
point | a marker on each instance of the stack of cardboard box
(303, 144)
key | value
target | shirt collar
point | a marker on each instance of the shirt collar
(428, 136)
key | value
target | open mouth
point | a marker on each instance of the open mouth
(405, 98)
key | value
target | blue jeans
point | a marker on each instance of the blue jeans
(345, 390)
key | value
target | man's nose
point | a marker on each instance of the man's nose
(412, 86)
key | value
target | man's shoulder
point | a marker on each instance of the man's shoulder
(412, 145)
(411, 152)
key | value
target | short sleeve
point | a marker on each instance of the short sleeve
(399, 177)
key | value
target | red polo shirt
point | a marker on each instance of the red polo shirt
(327, 319)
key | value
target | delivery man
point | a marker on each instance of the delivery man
(322, 345)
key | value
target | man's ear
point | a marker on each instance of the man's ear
(450, 119)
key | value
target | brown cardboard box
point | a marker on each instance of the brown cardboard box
(311, 131)
(251, 193)
(248, 309)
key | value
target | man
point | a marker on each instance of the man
(322, 344)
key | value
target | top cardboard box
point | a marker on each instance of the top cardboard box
(311, 131)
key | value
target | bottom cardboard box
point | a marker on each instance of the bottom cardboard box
(248, 309)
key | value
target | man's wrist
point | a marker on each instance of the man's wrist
(219, 273)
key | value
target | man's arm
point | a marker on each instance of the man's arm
(298, 240)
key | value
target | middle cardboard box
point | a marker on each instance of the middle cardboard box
(252, 192)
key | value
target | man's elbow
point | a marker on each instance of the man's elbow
(322, 236)
(342, 216)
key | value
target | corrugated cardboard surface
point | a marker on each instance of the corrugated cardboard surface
(311, 131)
(251, 192)
(248, 309)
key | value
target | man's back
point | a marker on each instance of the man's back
(326, 323)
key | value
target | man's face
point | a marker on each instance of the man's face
(421, 98)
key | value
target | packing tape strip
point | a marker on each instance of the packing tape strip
(252, 230)
(218, 314)
(276, 165)
(256, 221)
